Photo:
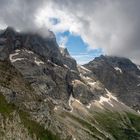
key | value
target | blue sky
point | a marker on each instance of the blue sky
(77, 48)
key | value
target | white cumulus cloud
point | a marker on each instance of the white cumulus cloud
(112, 25)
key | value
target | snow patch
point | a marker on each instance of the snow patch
(88, 106)
(88, 79)
(104, 99)
(107, 99)
(38, 62)
(71, 99)
(30, 52)
(53, 63)
(17, 51)
(12, 55)
(15, 59)
(76, 82)
(118, 69)
(55, 108)
(138, 111)
(138, 67)
(78, 101)
(45, 100)
(85, 69)
(66, 66)
(111, 96)
(138, 85)
(91, 83)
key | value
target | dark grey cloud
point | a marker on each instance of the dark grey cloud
(113, 25)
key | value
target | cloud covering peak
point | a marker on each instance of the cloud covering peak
(113, 25)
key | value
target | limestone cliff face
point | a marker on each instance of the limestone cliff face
(67, 59)
(45, 95)
(120, 76)
(47, 47)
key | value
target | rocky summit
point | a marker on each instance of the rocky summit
(46, 95)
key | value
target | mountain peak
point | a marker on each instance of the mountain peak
(46, 47)
(64, 51)
(9, 32)
(9, 29)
